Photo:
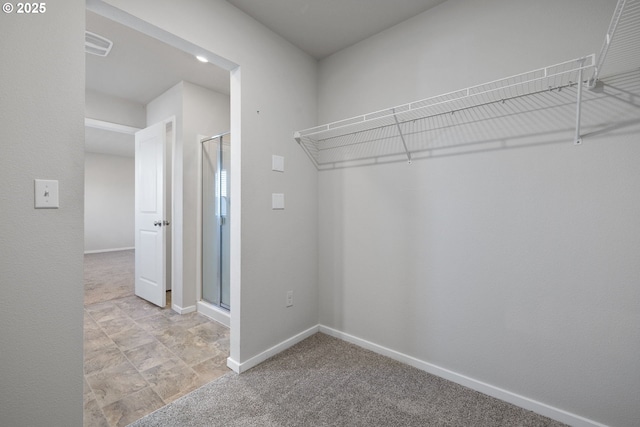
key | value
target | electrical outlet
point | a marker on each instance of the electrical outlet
(289, 298)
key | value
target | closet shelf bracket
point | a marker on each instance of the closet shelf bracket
(404, 143)
(578, 137)
(298, 137)
(632, 18)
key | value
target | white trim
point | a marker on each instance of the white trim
(482, 387)
(169, 205)
(113, 127)
(199, 224)
(183, 310)
(488, 389)
(211, 311)
(233, 365)
(259, 358)
(99, 251)
(235, 246)
(175, 179)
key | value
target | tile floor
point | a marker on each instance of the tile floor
(139, 357)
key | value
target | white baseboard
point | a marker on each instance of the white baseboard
(219, 315)
(183, 310)
(233, 365)
(488, 389)
(99, 251)
(482, 387)
(259, 358)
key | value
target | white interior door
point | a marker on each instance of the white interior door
(150, 218)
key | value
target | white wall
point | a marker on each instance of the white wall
(198, 111)
(205, 113)
(514, 267)
(109, 179)
(112, 109)
(163, 107)
(279, 81)
(42, 133)
(457, 44)
(109, 196)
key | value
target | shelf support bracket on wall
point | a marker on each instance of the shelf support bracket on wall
(578, 138)
(404, 143)
(298, 137)
(613, 25)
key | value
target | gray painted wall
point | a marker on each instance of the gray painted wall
(515, 267)
(42, 133)
(109, 196)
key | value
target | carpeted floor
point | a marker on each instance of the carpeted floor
(323, 381)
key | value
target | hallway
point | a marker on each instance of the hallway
(139, 357)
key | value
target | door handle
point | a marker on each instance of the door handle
(157, 223)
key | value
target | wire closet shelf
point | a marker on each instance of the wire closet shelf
(399, 131)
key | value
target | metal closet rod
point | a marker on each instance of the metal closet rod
(220, 135)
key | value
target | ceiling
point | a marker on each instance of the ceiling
(139, 67)
(323, 27)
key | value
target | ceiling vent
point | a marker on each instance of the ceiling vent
(96, 45)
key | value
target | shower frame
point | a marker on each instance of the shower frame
(221, 219)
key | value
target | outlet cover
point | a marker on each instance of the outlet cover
(46, 194)
(277, 201)
(289, 298)
(277, 163)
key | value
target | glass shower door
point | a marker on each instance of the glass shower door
(215, 221)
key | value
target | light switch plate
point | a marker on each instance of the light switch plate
(277, 163)
(46, 194)
(277, 201)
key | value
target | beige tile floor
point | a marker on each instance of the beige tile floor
(139, 357)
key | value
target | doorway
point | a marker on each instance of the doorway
(126, 92)
(203, 344)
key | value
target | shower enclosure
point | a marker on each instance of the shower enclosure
(215, 220)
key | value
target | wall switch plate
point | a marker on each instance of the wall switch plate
(277, 201)
(289, 298)
(277, 163)
(46, 194)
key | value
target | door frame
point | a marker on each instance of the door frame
(209, 310)
(235, 70)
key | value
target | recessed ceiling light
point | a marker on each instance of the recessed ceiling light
(202, 58)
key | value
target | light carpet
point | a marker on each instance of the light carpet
(323, 381)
